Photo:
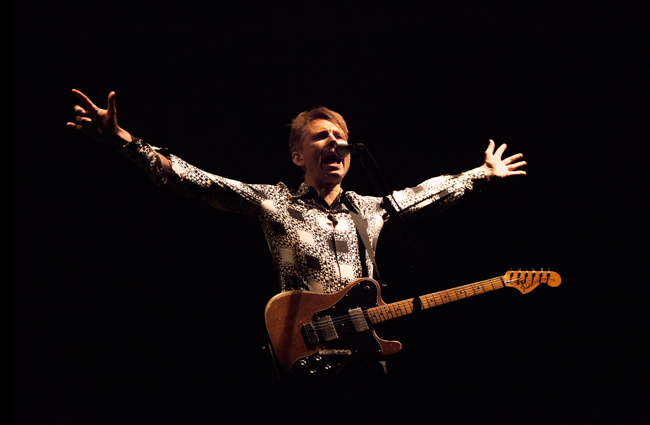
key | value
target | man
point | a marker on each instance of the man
(311, 234)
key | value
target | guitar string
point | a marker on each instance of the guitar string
(393, 310)
(341, 324)
(389, 310)
(402, 307)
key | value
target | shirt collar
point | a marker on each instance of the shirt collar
(310, 195)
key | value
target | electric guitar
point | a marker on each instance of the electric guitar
(318, 334)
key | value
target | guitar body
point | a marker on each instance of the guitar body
(317, 334)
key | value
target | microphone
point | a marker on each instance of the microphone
(345, 149)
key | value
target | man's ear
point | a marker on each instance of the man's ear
(297, 159)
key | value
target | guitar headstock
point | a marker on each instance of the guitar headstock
(526, 281)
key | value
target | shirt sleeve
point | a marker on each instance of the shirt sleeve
(437, 193)
(190, 181)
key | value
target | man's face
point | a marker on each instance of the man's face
(317, 157)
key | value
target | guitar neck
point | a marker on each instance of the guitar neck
(402, 308)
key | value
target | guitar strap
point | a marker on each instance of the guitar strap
(362, 231)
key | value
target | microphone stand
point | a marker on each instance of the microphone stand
(388, 205)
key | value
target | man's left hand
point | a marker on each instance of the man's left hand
(497, 168)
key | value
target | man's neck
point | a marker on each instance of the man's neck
(327, 191)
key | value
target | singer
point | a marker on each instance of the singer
(312, 237)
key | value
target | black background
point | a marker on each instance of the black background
(131, 305)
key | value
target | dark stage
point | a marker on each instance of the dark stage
(134, 306)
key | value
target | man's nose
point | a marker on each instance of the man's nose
(331, 139)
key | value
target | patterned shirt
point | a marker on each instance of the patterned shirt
(314, 246)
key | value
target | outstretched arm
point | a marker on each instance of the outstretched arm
(101, 124)
(497, 168)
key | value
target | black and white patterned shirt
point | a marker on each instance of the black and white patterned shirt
(314, 246)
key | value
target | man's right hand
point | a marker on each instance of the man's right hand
(100, 124)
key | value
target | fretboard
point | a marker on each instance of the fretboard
(401, 308)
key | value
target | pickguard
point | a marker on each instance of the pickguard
(351, 338)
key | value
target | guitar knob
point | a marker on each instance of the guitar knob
(318, 358)
(303, 362)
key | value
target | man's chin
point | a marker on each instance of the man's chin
(327, 175)
(339, 172)
(332, 177)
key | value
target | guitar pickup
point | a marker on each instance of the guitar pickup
(322, 330)
(358, 320)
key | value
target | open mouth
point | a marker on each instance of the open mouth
(332, 159)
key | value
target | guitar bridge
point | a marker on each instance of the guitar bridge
(319, 331)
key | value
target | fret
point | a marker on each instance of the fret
(401, 308)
